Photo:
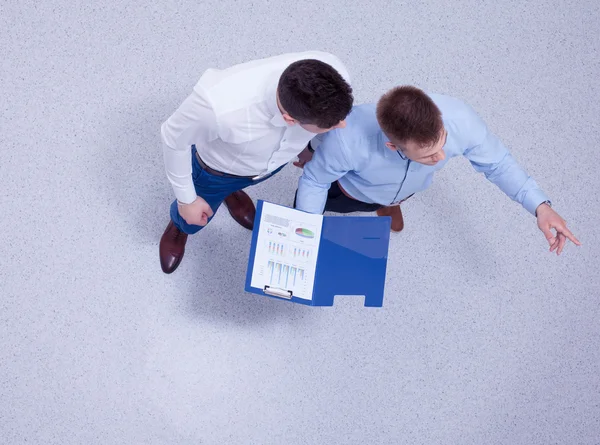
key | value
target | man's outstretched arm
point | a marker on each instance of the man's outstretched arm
(491, 157)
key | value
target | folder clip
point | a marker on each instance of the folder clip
(276, 292)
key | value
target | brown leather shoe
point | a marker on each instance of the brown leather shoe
(241, 208)
(172, 248)
(396, 214)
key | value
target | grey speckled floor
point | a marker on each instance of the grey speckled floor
(484, 337)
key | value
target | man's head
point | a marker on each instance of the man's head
(413, 124)
(314, 95)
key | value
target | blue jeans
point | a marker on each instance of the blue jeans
(213, 189)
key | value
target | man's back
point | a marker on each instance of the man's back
(241, 93)
(233, 118)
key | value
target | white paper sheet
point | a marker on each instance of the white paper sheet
(286, 250)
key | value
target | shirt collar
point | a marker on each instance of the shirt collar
(271, 96)
(385, 139)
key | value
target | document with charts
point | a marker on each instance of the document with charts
(287, 250)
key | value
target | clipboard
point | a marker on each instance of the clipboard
(351, 260)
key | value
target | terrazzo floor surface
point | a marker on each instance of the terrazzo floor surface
(484, 337)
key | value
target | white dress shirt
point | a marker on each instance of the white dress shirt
(233, 119)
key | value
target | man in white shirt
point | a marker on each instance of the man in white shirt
(239, 127)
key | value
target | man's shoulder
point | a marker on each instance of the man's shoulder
(327, 58)
(362, 122)
(245, 76)
(451, 107)
(284, 60)
(457, 112)
(238, 86)
(460, 119)
(249, 84)
(361, 127)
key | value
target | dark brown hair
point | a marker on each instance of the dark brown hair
(406, 113)
(312, 92)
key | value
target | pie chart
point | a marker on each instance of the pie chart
(304, 233)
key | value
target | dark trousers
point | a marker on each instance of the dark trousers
(339, 203)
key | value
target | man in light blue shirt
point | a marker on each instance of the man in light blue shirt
(389, 151)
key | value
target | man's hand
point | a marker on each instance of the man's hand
(304, 156)
(548, 219)
(196, 213)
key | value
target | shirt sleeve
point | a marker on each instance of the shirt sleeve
(491, 157)
(327, 165)
(194, 122)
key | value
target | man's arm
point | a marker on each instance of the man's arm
(327, 165)
(491, 157)
(193, 122)
(305, 155)
(488, 155)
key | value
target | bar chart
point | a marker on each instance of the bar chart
(300, 252)
(284, 276)
(276, 248)
(295, 252)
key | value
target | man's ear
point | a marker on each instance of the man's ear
(289, 119)
(391, 146)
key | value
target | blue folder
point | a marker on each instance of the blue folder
(352, 260)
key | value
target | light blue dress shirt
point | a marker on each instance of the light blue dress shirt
(358, 158)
